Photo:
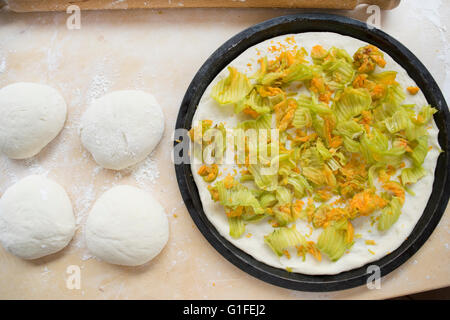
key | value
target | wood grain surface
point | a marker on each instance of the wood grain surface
(61, 5)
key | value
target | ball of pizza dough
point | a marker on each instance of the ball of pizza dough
(32, 115)
(121, 128)
(36, 218)
(126, 226)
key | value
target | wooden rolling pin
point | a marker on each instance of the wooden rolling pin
(61, 5)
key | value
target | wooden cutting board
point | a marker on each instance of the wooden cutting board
(61, 5)
(160, 51)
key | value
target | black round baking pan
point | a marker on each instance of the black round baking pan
(305, 23)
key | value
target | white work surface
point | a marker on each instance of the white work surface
(160, 51)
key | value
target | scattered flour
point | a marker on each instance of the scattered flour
(84, 197)
(35, 168)
(54, 53)
(431, 11)
(145, 172)
(99, 86)
(101, 80)
(15, 170)
(2, 64)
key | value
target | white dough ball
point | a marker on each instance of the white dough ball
(32, 115)
(121, 128)
(126, 226)
(36, 218)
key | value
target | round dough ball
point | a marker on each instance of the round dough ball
(32, 115)
(36, 218)
(126, 226)
(121, 128)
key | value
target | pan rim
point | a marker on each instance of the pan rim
(309, 22)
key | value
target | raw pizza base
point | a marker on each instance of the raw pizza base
(359, 254)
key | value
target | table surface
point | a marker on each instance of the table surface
(160, 51)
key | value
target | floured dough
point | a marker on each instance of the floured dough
(36, 218)
(126, 226)
(121, 128)
(32, 115)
